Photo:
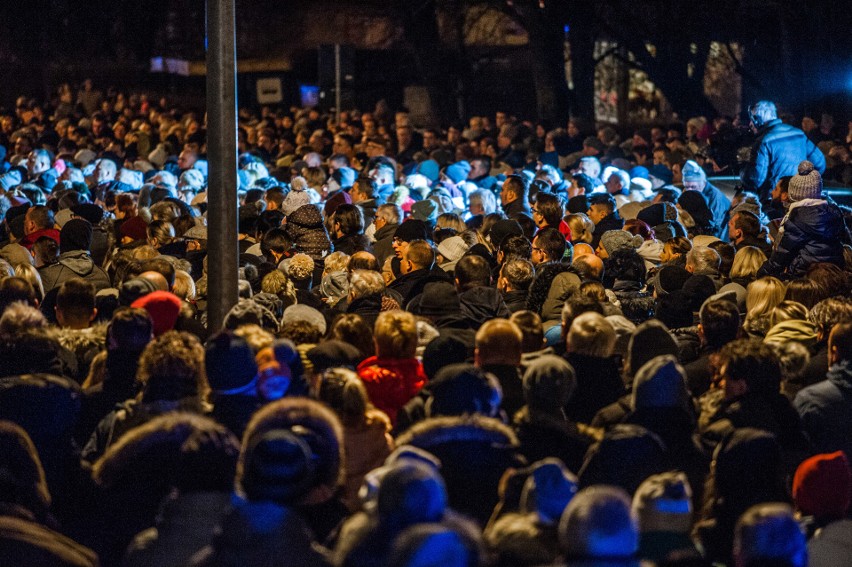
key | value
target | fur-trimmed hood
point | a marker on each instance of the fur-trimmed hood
(459, 429)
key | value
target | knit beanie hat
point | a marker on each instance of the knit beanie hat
(412, 229)
(230, 364)
(300, 312)
(133, 289)
(163, 307)
(425, 210)
(90, 212)
(345, 177)
(430, 169)
(657, 214)
(669, 278)
(453, 248)
(807, 184)
(503, 228)
(411, 492)
(298, 267)
(549, 382)
(335, 286)
(134, 228)
(458, 171)
(548, 491)
(663, 503)
(440, 352)
(248, 312)
(277, 466)
(660, 383)
(692, 171)
(613, 240)
(650, 339)
(822, 486)
(76, 234)
(339, 198)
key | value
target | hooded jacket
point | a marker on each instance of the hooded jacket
(390, 382)
(305, 227)
(813, 231)
(73, 264)
(598, 385)
(826, 410)
(480, 304)
(383, 247)
(411, 285)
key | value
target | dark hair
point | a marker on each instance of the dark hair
(531, 328)
(636, 226)
(350, 218)
(753, 361)
(805, 291)
(550, 207)
(668, 194)
(515, 246)
(352, 329)
(366, 186)
(726, 253)
(679, 245)
(519, 273)
(747, 222)
(720, 323)
(603, 199)
(517, 184)
(41, 216)
(625, 264)
(832, 278)
(130, 328)
(275, 240)
(472, 271)
(421, 254)
(76, 298)
(300, 332)
(841, 338)
(551, 242)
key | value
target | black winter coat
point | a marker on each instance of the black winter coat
(814, 231)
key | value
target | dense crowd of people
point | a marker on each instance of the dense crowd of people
(499, 344)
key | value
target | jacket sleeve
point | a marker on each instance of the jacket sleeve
(792, 241)
(816, 157)
(754, 175)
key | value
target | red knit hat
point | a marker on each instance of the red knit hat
(822, 486)
(163, 307)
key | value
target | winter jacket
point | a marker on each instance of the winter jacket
(185, 525)
(261, 534)
(542, 435)
(368, 208)
(352, 243)
(84, 344)
(411, 285)
(598, 385)
(30, 239)
(637, 306)
(777, 151)
(543, 292)
(474, 452)
(813, 231)
(366, 447)
(517, 207)
(480, 304)
(826, 410)
(391, 382)
(831, 546)
(515, 300)
(73, 264)
(719, 206)
(383, 247)
(368, 307)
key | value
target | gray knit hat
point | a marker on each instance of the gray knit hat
(807, 184)
(613, 240)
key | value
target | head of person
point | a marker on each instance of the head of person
(75, 304)
(548, 210)
(703, 260)
(395, 335)
(601, 205)
(590, 334)
(498, 341)
(348, 220)
(599, 524)
(419, 256)
(763, 295)
(37, 217)
(472, 271)
(762, 112)
(388, 214)
(743, 225)
(514, 187)
(363, 283)
(840, 343)
(747, 262)
(516, 275)
(171, 368)
(531, 328)
(694, 178)
(828, 313)
(548, 246)
(768, 534)
(719, 323)
(749, 366)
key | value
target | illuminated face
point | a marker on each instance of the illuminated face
(693, 185)
(597, 213)
(400, 247)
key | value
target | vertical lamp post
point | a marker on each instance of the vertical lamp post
(223, 249)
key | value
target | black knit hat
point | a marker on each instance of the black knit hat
(230, 364)
(438, 298)
(75, 235)
(649, 340)
(463, 388)
(412, 229)
(334, 354)
(440, 352)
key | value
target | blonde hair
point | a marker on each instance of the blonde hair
(336, 262)
(277, 283)
(344, 392)
(145, 252)
(256, 336)
(499, 341)
(747, 261)
(581, 226)
(591, 335)
(763, 296)
(787, 311)
(184, 286)
(395, 335)
(450, 220)
(29, 273)
(301, 267)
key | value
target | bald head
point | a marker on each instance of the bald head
(589, 266)
(156, 278)
(583, 249)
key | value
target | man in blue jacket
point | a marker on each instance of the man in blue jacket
(777, 151)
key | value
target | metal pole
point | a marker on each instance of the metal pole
(223, 249)
(337, 83)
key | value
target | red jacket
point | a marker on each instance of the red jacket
(28, 241)
(391, 383)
